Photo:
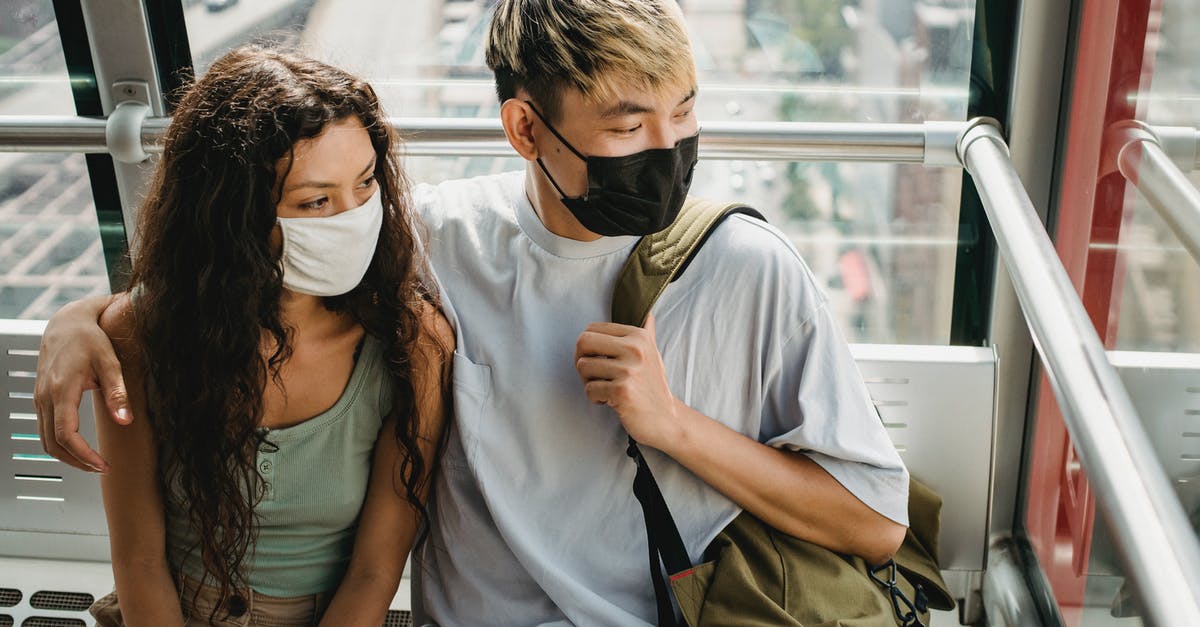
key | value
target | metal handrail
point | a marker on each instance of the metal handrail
(1144, 161)
(1160, 551)
(1157, 545)
(928, 143)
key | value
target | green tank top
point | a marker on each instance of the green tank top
(316, 482)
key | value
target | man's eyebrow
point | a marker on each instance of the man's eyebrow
(326, 184)
(625, 107)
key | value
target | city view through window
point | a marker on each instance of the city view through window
(881, 239)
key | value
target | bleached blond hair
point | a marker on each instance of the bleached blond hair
(595, 46)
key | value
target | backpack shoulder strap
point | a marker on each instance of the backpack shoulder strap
(661, 257)
(655, 262)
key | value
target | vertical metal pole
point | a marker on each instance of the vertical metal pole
(119, 37)
(1159, 549)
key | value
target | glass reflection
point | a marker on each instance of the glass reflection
(50, 250)
(881, 239)
(1160, 299)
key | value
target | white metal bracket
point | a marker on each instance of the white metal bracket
(123, 130)
(979, 128)
(941, 144)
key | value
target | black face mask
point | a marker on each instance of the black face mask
(637, 194)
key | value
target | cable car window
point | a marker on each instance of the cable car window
(33, 72)
(1129, 118)
(50, 250)
(881, 239)
(1160, 297)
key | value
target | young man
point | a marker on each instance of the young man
(740, 389)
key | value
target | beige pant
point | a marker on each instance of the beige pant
(247, 609)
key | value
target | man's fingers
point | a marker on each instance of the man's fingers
(591, 343)
(52, 448)
(112, 387)
(600, 392)
(71, 446)
(46, 433)
(81, 452)
(592, 368)
(57, 452)
(612, 328)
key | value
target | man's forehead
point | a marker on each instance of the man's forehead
(629, 99)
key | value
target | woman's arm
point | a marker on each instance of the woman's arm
(389, 523)
(133, 501)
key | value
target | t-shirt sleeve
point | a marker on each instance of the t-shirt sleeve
(817, 403)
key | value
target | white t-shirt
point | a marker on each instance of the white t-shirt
(534, 518)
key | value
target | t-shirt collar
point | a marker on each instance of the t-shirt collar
(532, 225)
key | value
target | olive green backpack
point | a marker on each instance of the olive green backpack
(752, 574)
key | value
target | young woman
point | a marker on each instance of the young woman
(290, 362)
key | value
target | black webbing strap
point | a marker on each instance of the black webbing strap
(662, 535)
(656, 261)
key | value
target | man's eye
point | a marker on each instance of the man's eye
(627, 131)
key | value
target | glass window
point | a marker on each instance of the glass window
(880, 238)
(1134, 61)
(1159, 294)
(1160, 300)
(33, 72)
(50, 249)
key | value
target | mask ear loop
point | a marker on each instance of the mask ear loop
(555, 132)
(541, 165)
(564, 141)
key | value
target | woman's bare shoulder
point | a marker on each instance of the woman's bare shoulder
(117, 323)
(435, 327)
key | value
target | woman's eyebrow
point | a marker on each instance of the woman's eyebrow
(326, 184)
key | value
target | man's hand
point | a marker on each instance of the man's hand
(620, 366)
(76, 356)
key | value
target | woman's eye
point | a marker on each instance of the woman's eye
(370, 180)
(313, 205)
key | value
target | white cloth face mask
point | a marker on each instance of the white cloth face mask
(329, 256)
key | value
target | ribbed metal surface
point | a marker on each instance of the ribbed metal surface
(51, 621)
(62, 601)
(36, 491)
(10, 597)
(6, 620)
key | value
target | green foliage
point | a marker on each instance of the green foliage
(798, 204)
(817, 22)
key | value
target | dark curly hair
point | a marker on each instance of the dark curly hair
(209, 286)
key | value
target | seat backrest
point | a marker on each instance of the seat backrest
(1165, 389)
(49, 510)
(938, 405)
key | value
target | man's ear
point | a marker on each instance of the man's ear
(517, 117)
